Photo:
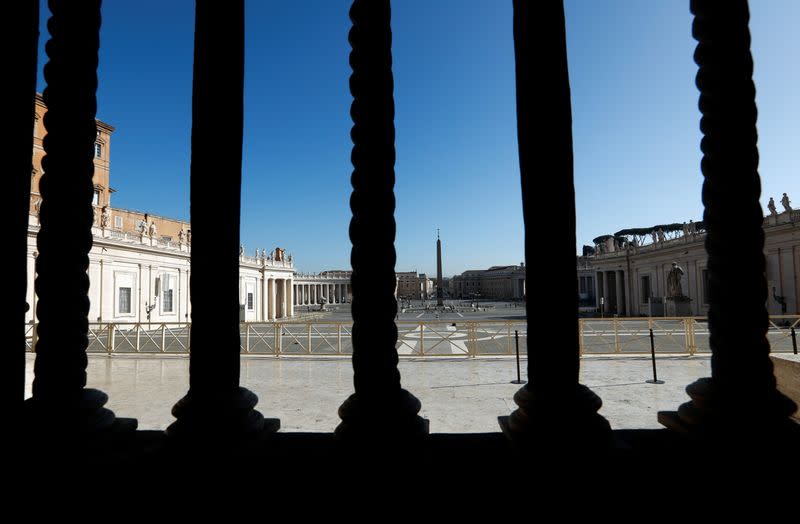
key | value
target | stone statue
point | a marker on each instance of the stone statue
(771, 206)
(263, 253)
(104, 217)
(181, 236)
(692, 227)
(653, 234)
(660, 234)
(142, 227)
(780, 300)
(674, 281)
(785, 202)
(685, 228)
(153, 231)
(189, 236)
(241, 250)
(290, 258)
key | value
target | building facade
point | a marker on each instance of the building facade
(414, 286)
(139, 263)
(495, 283)
(630, 277)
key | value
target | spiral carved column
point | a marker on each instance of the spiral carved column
(742, 384)
(65, 238)
(379, 405)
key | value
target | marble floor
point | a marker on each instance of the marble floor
(458, 395)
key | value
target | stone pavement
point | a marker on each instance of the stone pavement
(458, 395)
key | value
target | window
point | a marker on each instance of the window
(645, 288)
(118, 222)
(124, 284)
(167, 292)
(125, 300)
(249, 301)
(96, 198)
(583, 285)
(705, 286)
(98, 150)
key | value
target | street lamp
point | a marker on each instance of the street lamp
(148, 307)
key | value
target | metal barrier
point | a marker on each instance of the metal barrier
(441, 338)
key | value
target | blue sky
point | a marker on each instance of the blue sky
(635, 121)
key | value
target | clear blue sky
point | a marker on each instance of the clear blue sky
(634, 107)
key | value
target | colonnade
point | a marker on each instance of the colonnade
(610, 287)
(321, 293)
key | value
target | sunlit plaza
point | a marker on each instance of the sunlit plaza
(458, 395)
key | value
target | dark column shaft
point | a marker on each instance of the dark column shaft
(20, 69)
(215, 405)
(553, 406)
(65, 237)
(544, 130)
(216, 176)
(378, 397)
(742, 381)
(372, 228)
(733, 217)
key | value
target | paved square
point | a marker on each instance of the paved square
(458, 394)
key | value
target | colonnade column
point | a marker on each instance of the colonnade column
(619, 280)
(380, 410)
(607, 303)
(216, 406)
(285, 301)
(61, 403)
(598, 284)
(739, 401)
(273, 295)
(555, 410)
(290, 302)
(265, 292)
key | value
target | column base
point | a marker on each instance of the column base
(546, 422)
(219, 416)
(736, 416)
(80, 415)
(381, 420)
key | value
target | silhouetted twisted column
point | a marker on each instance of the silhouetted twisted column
(379, 404)
(20, 71)
(65, 237)
(553, 407)
(742, 383)
(216, 404)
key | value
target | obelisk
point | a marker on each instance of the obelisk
(439, 291)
